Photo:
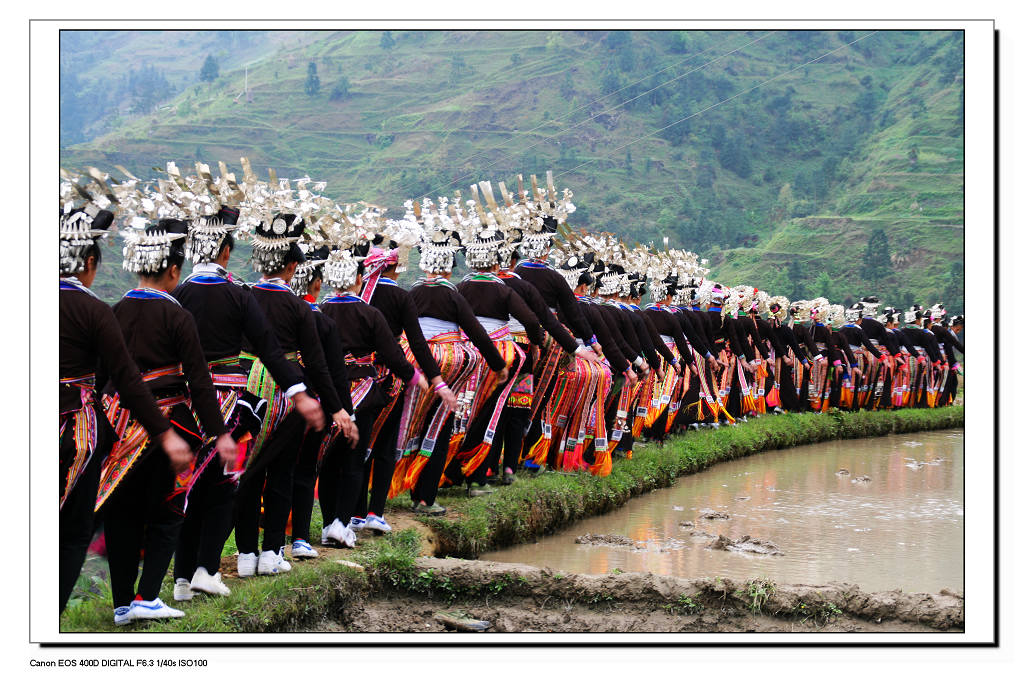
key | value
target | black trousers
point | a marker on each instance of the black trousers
(137, 518)
(835, 387)
(920, 384)
(304, 484)
(610, 415)
(207, 523)
(425, 489)
(269, 479)
(508, 440)
(209, 514)
(478, 428)
(533, 435)
(342, 479)
(787, 389)
(735, 402)
(886, 399)
(805, 383)
(950, 388)
(76, 517)
(382, 462)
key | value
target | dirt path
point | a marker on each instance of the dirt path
(521, 598)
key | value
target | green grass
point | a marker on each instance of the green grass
(308, 592)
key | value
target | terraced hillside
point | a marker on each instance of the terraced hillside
(776, 154)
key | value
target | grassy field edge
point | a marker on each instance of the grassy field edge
(541, 505)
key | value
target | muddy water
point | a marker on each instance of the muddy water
(901, 529)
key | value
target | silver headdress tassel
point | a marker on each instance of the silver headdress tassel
(147, 251)
(438, 230)
(86, 213)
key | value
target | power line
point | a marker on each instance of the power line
(509, 156)
(717, 104)
(622, 104)
(584, 106)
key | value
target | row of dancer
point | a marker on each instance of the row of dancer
(203, 405)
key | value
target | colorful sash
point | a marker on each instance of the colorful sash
(84, 423)
(457, 360)
(514, 359)
(262, 384)
(132, 438)
(227, 400)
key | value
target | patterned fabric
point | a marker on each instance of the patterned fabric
(83, 423)
(423, 413)
(131, 438)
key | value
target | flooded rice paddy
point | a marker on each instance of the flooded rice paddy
(883, 513)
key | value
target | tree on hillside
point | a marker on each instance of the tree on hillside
(876, 263)
(312, 80)
(953, 293)
(340, 90)
(797, 280)
(735, 158)
(147, 88)
(386, 41)
(210, 71)
(678, 42)
(459, 69)
(610, 82)
(617, 39)
(823, 286)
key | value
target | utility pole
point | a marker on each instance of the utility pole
(245, 88)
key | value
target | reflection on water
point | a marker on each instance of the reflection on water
(902, 528)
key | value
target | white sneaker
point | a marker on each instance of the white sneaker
(212, 585)
(335, 531)
(301, 549)
(182, 590)
(273, 563)
(348, 537)
(154, 609)
(356, 523)
(246, 565)
(376, 523)
(122, 616)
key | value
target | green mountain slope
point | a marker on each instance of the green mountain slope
(767, 152)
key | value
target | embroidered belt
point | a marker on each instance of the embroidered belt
(446, 337)
(234, 380)
(166, 371)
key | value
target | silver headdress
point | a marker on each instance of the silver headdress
(147, 251)
(778, 307)
(315, 253)
(836, 312)
(435, 228)
(800, 311)
(817, 309)
(341, 269)
(870, 305)
(86, 216)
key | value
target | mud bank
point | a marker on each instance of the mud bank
(385, 587)
(538, 506)
(521, 598)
